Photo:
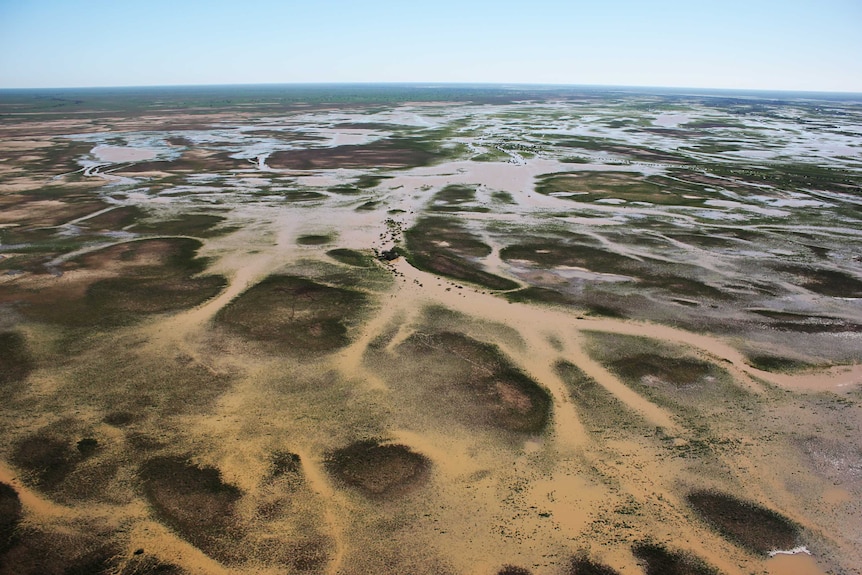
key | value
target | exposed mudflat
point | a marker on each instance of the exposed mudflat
(552, 334)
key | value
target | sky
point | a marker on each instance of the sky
(807, 45)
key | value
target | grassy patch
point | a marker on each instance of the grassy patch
(554, 253)
(115, 219)
(295, 314)
(351, 257)
(476, 382)
(386, 153)
(369, 181)
(47, 459)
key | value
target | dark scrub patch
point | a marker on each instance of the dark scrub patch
(678, 372)
(583, 566)
(195, 502)
(15, 360)
(143, 564)
(475, 382)
(294, 314)
(657, 560)
(377, 470)
(46, 458)
(754, 527)
(11, 513)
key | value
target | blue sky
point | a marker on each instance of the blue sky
(753, 44)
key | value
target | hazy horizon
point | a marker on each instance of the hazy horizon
(490, 86)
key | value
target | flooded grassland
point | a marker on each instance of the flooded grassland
(565, 334)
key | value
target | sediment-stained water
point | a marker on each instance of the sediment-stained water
(548, 333)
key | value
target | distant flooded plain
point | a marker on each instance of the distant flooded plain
(557, 332)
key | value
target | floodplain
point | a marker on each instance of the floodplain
(434, 330)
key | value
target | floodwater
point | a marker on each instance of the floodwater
(666, 397)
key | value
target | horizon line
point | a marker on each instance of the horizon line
(433, 84)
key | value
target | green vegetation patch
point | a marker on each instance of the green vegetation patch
(456, 198)
(151, 289)
(351, 257)
(628, 186)
(190, 161)
(445, 246)
(195, 225)
(314, 239)
(670, 376)
(294, 314)
(776, 363)
(369, 180)
(194, 502)
(376, 469)
(791, 176)
(745, 523)
(476, 383)
(539, 295)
